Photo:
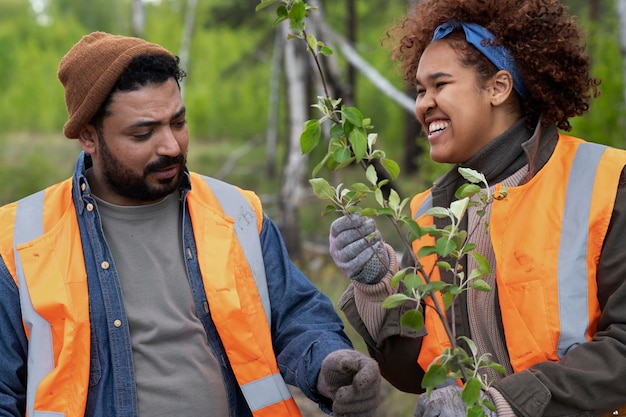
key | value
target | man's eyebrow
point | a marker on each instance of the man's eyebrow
(144, 123)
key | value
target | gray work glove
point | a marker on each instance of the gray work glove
(445, 402)
(352, 380)
(357, 248)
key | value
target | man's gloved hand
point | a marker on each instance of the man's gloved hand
(445, 402)
(357, 248)
(352, 380)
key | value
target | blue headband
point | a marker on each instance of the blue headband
(498, 55)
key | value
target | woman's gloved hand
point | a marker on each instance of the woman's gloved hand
(357, 248)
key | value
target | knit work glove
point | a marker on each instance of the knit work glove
(357, 248)
(445, 402)
(352, 380)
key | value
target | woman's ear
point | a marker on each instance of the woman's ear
(88, 137)
(502, 87)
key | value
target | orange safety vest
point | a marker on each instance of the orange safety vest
(54, 294)
(547, 237)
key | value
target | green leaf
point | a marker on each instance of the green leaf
(471, 391)
(444, 265)
(310, 137)
(322, 188)
(394, 199)
(392, 167)
(414, 229)
(497, 367)
(445, 246)
(369, 211)
(336, 132)
(481, 262)
(353, 115)
(399, 276)
(412, 281)
(467, 190)
(435, 286)
(413, 319)
(426, 250)
(458, 207)
(371, 175)
(326, 51)
(395, 300)
(385, 212)
(437, 212)
(311, 41)
(471, 175)
(480, 285)
(342, 155)
(266, 3)
(476, 411)
(379, 197)
(358, 140)
(434, 376)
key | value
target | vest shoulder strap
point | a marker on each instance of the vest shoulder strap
(236, 206)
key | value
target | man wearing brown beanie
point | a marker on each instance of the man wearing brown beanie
(138, 288)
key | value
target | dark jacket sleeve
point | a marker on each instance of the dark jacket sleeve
(305, 325)
(398, 348)
(592, 375)
(13, 348)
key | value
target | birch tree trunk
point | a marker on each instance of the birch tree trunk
(291, 192)
(138, 19)
(186, 42)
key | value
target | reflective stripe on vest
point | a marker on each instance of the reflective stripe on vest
(592, 172)
(262, 395)
(28, 226)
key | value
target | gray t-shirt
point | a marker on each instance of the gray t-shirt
(175, 370)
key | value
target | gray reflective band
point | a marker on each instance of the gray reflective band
(28, 226)
(573, 249)
(265, 392)
(426, 205)
(236, 206)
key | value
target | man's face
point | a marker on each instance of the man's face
(139, 155)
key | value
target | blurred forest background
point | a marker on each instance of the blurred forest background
(247, 92)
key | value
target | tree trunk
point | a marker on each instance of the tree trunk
(138, 18)
(187, 35)
(296, 72)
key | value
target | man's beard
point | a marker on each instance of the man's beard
(126, 183)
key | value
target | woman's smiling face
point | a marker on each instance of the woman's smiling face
(454, 109)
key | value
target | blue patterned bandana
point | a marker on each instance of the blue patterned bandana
(498, 55)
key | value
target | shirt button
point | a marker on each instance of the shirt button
(117, 323)
(83, 187)
(104, 265)
(89, 207)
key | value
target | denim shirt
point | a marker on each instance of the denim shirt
(305, 327)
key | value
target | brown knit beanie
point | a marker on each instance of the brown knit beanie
(91, 68)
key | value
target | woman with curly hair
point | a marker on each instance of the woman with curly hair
(497, 83)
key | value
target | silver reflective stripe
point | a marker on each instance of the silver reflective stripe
(572, 266)
(265, 392)
(426, 205)
(28, 226)
(236, 206)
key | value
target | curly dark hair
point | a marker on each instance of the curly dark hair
(142, 70)
(545, 41)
